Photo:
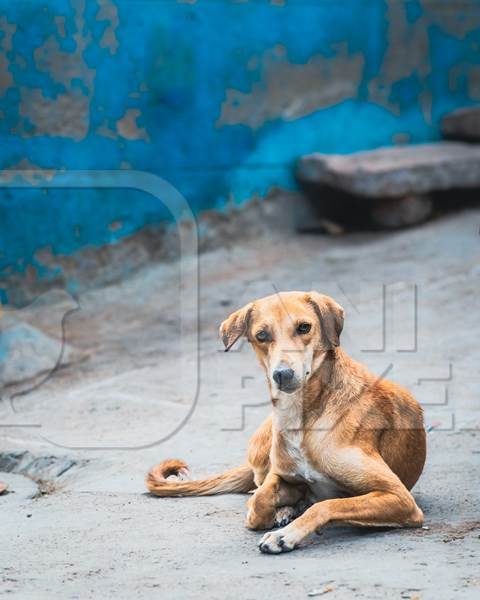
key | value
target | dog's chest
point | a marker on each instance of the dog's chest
(298, 463)
(296, 466)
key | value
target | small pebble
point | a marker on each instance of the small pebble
(320, 592)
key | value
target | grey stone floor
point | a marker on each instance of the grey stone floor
(137, 396)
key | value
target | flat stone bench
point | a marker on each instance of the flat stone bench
(396, 172)
(391, 185)
(462, 124)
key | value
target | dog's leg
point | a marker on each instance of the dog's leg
(272, 494)
(382, 509)
(259, 451)
(388, 503)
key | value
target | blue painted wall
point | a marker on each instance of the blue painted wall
(217, 96)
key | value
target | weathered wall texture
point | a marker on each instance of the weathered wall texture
(217, 96)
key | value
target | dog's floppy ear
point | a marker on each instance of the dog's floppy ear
(235, 326)
(330, 314)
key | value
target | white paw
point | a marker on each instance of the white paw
(281, 540)
(284, 516)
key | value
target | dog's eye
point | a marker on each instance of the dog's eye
(303, 328)
(262, 336)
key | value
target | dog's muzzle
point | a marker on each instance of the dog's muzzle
(285, 379)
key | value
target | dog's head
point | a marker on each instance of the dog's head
(291, 333)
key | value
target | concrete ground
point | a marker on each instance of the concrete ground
(86, 528)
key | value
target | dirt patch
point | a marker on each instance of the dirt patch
(450, 532)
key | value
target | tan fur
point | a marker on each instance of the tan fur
(235, 480)
(352, 444)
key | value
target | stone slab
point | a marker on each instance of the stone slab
(395, 172)
(462, 124)
(43, 467)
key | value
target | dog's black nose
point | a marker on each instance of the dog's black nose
(283, 376)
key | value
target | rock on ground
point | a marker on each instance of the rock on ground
(462, 124)
(32, 343)
(397, 171)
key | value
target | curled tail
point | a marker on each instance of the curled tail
(235, 480)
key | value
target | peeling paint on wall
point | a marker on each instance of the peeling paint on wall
(460, 76)
(289, 91)
(39, 173)
(128, 128)
(7, 29)
(108, 12)
(105, 130)
(406, 60)
(66, 114)
(456, 19)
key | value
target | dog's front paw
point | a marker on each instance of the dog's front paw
(284, 516)
(281, 540)
(259, 521)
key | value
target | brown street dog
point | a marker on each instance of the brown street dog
(339, 439)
